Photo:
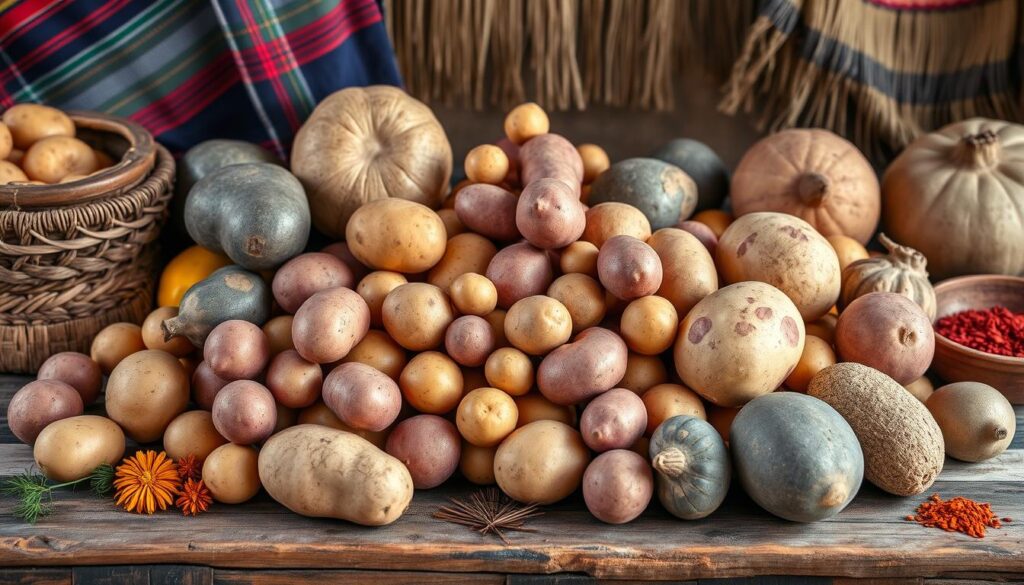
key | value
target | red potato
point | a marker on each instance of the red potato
(617, 486)
(341, 251)
(307, 274)
(429, 446)
(362, 397)
(40, 403)
(469, 340)
(888, 332)
(244, 412)
(549, 214)
(329, 324)
(702, 232)
(294, 381)
(519, 271)
(237, 350)
(488, 210)
(205, 386)
(629, 268)
(613, 420)
(550, 156)
(592, 364)
(76, 370)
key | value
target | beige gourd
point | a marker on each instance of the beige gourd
(957, 195)
(903, 271)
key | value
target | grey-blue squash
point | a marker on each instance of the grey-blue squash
(703, 165)
(663, 192)
(796, 456)
(229, 293)
(692, 466)
(256, 213)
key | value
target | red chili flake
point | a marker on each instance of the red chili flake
(957, 515)
(997, 330)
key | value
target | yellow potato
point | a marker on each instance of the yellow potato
(231, 473)
(486, 416)
(396, 234)
(29, 123)
(11, 173)
(582, 296)
(538, 324)
(53, 158)
(72, 448)
(510, 370)
(533, 407)
(477, 463)
(542, 462)
(374, 288)
(473, 294)
(649, 325)
(145, 392)
(6, 141)
(114, 343)
(432, 383)
(467, 252)
(192, 433)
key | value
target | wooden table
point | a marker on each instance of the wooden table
(88, 540)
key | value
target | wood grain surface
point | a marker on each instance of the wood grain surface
(869, 539)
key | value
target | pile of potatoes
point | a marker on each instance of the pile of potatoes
(516, 336)
(38, 147)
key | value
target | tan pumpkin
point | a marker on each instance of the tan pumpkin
(902, 271)
(814, 175)
(367, 143)
(957, 195)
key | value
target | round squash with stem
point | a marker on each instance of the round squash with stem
(814, 175)
(692, 466)
(903, 271)
(957, 195)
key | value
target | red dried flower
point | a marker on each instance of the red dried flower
(194, 498)
(189, 468)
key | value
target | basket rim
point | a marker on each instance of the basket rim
(131, 170)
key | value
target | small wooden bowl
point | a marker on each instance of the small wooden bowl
(956, 363)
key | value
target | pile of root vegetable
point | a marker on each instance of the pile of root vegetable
(560, 323)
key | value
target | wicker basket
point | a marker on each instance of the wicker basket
(79, 256)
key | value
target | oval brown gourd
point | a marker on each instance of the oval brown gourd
(977, 421)
(902, 271)
(814, 175)
(888, 332)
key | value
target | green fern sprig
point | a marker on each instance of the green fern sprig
(35, 493)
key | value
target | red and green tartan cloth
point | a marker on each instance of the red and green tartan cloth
(189, 70)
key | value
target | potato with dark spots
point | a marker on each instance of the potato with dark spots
(785, 252)
(326, 473)
(729, 353)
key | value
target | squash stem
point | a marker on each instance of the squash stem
(812, 188)
(671, 462)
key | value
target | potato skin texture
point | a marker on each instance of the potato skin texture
(29, 123)
(396, 234)
(618, 486)
(613, 420)
(628, 268)
(688, 270)
(329, 324)
(72, 448)
(519, 271)
(244, 412)
(488, 210)
(593, 363)
(416, 315)
(145, 415)
(542, 476)
(75, 369)
(39, 404)
(549, 214)
(430, 448)
(354, 480)
(307, 274)
(362, 397)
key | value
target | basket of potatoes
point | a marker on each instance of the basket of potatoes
(82, 199)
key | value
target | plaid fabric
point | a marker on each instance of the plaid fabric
(190, 70)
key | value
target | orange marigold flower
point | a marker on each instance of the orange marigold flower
(146, 481)
(189, 468)
(195, 498)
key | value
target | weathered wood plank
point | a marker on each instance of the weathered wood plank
(297, 577)
(35, 576)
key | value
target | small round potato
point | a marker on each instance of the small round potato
(153, 333)
(610, 219)
(205, 386)
(77, 370)
(667, 400)
(617, 486)
(114, 343)
(29, 123)
(595, 161)
(519, 271)
(40, 403)
(628, 268)
(192, 433)
(145, 392)
(237, 350)
(374, 288)
(379, 351)
(11, 173)
(279, 333)
(73, 448)
(542, 462)
(432, 383)
(307, 274)
(649, 325)
(6, 141)
(416, 315)
(549, 214)
(817, 356)
(396, 234)
(579, 257)
(231, 473)
(643, 372)
(486, 416)
(429, 446)
(329, 324)
(467, 252)
(473, 294)
(486, 164)
(477, 463)
(526, 121)
(533, 407)
(538, 324)
(510, 370)
(294, 381)
(362, 397)
(244, 412)
(55, 157)
(582, 296)
(613, 420)
(469, 340)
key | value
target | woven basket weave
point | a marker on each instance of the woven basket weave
(79, 256)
